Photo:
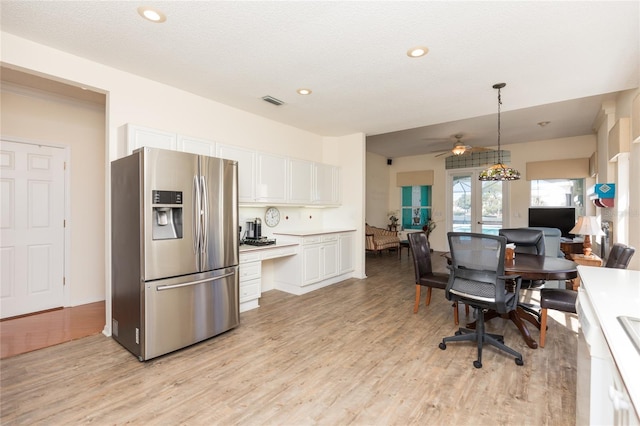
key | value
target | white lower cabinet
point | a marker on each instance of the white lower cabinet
(346, 250)
(319, 263)
(250, 281)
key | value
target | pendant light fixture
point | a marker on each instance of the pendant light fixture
(499, 171)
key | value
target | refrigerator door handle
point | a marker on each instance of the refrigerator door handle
(196, 215)
(169, 287)
(205, 208)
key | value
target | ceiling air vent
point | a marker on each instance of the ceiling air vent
(272, 100)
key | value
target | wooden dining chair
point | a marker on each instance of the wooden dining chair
(424, 275)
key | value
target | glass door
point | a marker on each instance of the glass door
(474, 205)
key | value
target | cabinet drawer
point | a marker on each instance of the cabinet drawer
(249, 257)
(330, 237)
(249, 271)
(249, 290)
(312, 239)
(279, 252)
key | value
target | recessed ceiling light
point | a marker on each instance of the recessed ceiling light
(151, 14)
(418, 51)
(304, 91)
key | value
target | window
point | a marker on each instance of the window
(559, 193)
(416, 206)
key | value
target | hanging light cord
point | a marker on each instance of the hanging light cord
(499, 104)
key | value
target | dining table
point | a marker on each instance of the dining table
(532, 267)
(536, 267)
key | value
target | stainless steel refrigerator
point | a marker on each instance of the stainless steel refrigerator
(174, 249)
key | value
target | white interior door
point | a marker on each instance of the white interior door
(31, 228)
(474, 205)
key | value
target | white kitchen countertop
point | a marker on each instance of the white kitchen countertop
(613, 293)
(305, 232)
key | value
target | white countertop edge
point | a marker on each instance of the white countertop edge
(303, 233)
(246, 247)
(606, 288)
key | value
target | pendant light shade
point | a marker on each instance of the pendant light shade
(499, 171)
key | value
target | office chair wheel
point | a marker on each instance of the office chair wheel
(519, 361)
(477, 364)
(442, 346)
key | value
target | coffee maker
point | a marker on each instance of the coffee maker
(254, 228)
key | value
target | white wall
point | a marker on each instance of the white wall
(38, 117)
(626, 214)
(377, 199)
(348, 152)
(132, 99)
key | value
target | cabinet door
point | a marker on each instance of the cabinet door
(300, 181)
(246, 170)
(311, 264)
(271, 179)
(138, 136)
(330, 259)
(326, 184)
(346, 253)
(196, 146)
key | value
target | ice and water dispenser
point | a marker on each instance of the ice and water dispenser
(167, 215)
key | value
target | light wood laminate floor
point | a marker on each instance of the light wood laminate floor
(352, 353)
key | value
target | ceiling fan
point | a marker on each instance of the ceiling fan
(460, 148)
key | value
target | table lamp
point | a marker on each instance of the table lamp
(587, 226)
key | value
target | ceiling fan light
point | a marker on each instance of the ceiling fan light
(458, 150)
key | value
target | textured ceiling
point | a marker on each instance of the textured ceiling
(560, 60)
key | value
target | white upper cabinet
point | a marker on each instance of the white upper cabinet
(196, 146)
(271, 178)
(138, 136)
(300, 181)
(327, 184)
(262, 178)
(246, 170)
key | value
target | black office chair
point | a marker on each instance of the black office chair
(477, 278)
(565, 300)
(531, 241)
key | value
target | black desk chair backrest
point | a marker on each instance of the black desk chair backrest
(477, 278)
(527, 240)
(619, 256)
(477, 271)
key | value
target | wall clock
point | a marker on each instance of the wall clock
(272, 216)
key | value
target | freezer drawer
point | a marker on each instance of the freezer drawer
(183, 311)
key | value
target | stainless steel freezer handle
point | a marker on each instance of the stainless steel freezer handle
(205, 207)
(168, 287)
(196, 215)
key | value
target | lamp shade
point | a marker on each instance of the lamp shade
(587, 225)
